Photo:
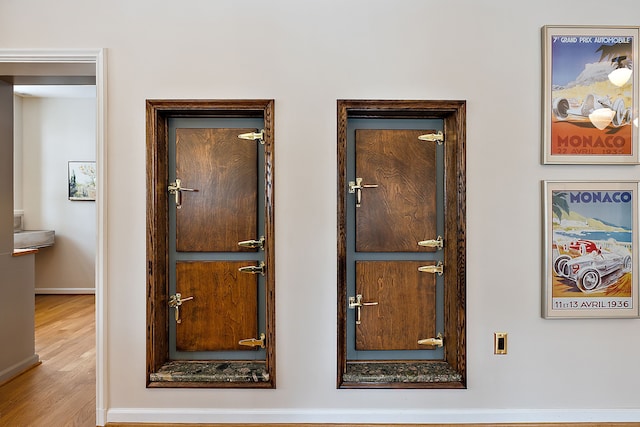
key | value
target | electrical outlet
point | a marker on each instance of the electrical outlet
(500, 343)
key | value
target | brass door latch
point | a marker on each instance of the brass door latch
(356, 187)
(176, 188)
(175, 301)
(356, 303)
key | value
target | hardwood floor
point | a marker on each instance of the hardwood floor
(61, 391)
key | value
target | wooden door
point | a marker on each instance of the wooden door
(397, 210)
(223, 170)
(216, 210)
(405, 309)
(401, 209)
(224, 306)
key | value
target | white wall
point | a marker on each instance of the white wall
(54, 132)
(17, 155)
(306, 55)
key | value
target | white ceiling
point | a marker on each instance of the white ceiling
(55, 91)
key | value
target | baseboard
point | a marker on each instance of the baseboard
(101, 417)
(633, 424)
(378, 417)
(15, 370)
(55, 291)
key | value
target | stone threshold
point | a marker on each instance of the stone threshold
(400, 372)
(211, 372)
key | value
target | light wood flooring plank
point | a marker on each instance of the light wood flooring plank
(61, 390)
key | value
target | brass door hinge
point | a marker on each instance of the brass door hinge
(253, 342)
(432, 243)
(435, 269)
(253, 136)
(435, 137)
(253, 269)
(437, 341)
(252, 244)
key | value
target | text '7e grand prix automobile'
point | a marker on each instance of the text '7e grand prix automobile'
(591, 267)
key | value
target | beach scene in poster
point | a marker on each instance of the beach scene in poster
(592, 249)
(592, 112)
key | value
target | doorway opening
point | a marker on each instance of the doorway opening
(54, 184)
(75, 67)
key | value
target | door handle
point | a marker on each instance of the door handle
(437, 341)
(175, 301)
(356, 187)
(356, 303)
(435, 269)
(176, 188)
(253, 269)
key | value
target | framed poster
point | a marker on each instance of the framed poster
(82, 180)
(590, 249)
(590, 105)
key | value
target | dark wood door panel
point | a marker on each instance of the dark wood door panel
(224, 309)
(406, 310)
(223, 168)
(401, 211)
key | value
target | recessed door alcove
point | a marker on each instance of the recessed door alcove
(401, 244)
(210, 244)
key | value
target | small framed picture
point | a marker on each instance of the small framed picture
(590, 91)
(590, 240)
(82, 180)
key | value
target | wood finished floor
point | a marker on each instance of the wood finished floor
(61, 391)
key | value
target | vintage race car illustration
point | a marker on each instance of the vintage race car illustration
(565, 109)
(582, 247)
(592, 270)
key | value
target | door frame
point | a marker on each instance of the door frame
(63, 66)
(453, 114)
(158, 114)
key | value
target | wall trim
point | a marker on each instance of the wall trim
(370, 416)
(65, 291)
(13, 371)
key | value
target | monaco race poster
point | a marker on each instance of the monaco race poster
(591, 249)
(590, 85)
